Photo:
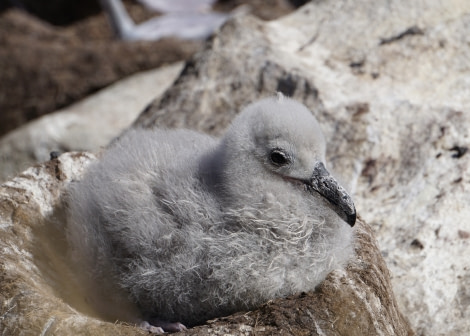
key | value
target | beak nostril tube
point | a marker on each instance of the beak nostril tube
(325, 184)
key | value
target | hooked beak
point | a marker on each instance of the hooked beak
(324, 184)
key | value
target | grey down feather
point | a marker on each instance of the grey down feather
(190, 227)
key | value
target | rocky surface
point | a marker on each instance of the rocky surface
(44, 68)
(87, 125)
(35, 279)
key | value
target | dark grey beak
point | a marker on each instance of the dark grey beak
(324, 184)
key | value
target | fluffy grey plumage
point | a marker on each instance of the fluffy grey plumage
(194, 227)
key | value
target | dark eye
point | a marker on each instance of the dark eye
(279, 158)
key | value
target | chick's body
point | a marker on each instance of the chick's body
(194, 227)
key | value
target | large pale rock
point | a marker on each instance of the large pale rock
(87, 125)
(389, 82)
(44, 68)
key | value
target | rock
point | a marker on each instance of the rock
(35, 279)
(84, 126)
(388, 82)
(231, 74)
(44, 68)
(40, 295)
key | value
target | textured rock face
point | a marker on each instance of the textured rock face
(36, 282)
(44, 68)
(85, 126)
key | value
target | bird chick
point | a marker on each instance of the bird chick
(191, 227)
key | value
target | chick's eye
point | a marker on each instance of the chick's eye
(278, 158)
